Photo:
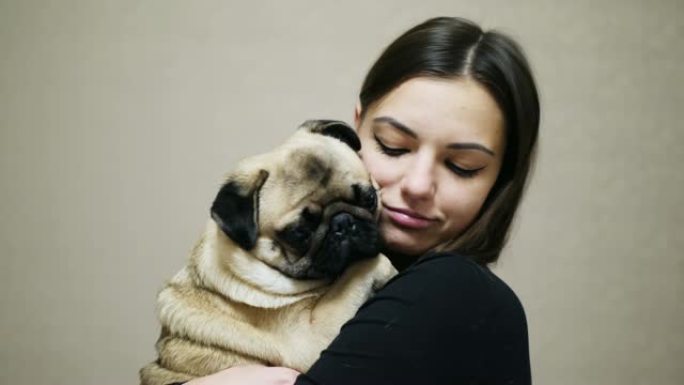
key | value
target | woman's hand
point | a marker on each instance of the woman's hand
(249, 375)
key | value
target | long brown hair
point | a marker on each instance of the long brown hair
(449, 47)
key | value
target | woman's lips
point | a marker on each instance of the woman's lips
(407, 218)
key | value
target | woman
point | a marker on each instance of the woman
(448, 119)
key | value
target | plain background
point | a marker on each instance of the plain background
(118, 120)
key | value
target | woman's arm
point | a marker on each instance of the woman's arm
(249, 375)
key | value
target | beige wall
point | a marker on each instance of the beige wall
(118, 119)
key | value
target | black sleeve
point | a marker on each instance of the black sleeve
(445, 320)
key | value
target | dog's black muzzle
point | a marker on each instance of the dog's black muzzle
(348, 239)
(323, 245)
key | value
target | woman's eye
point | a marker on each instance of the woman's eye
(462, 172)
(389, 151)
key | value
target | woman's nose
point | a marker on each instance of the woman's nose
(418, 182)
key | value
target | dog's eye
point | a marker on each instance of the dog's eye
(365, 197)
(297, 237)
(310, 216)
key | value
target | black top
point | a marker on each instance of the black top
(444, 320)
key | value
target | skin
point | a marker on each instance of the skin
(427, 126)
(249, 374)
(434, 133)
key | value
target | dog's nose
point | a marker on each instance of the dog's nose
(348, 239)
(366, 197)
(342, 223)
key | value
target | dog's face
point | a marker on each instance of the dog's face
(310, 203)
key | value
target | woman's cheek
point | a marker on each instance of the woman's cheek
(379, 170)
(470, 202)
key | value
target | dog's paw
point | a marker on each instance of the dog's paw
(383, 272)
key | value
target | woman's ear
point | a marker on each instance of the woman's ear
(357, 116)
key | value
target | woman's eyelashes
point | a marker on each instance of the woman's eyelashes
(396, 152)
(462, 172)
(389, 151)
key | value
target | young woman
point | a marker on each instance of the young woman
(448, 119)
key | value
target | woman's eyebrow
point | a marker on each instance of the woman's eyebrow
(456, 146)
(471, 146)
(396, 124)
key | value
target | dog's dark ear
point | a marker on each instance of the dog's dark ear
(335, 128)
(236, 209)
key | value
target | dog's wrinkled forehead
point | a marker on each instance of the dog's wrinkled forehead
(321, 150)
(313, 167)
(310, 170)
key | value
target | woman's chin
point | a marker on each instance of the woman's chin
(400, 241)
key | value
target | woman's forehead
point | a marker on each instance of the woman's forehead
(450, 110)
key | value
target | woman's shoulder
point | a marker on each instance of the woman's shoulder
(450, 279)
(444, 314)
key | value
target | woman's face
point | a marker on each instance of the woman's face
(435, 147)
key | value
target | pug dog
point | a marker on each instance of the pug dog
(288, 256)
